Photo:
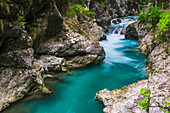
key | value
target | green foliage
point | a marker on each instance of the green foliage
(20, 21)
(71, 13)
(75, 9)
(145, 102)
(152, 15)
(157, 20)
(149, 27)
(79, 8)
(167, 108)
(164, 22)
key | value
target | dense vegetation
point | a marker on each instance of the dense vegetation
(77, 9)
(163, 4)
(156, 19)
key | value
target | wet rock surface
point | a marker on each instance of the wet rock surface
(131, 33)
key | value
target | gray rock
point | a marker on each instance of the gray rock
(131, 32)
(82, 61)
(122, 101)
(52, 63)
(15, 84)
(18, 40)
(136, 31)
(74, 45)
(18, 58)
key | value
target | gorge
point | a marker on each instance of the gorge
(43, 43)
(124, 64)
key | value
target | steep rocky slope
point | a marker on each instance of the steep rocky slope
(125, 100)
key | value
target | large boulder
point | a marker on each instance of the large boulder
(131, 32)
(136, 31)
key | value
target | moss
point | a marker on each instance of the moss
(108, 99)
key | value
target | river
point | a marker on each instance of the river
(124, 64)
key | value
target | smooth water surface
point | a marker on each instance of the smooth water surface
(124, 64)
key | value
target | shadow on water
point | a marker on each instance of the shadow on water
(124, 64)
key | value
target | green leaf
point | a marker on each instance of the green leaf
(161, 109)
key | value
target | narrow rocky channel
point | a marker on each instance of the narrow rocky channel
(124, 64)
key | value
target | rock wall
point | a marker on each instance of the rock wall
(125, 99)
(49, 42)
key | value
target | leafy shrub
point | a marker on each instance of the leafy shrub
(167, 108)
(145, 102)
(75, 9)
(78, 8)
(164, 22)
(71, 13)
(152, 15)
(157, 20)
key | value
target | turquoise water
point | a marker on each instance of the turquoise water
(124, 64)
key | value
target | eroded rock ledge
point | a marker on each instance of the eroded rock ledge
(125, 99)
(63, 44)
